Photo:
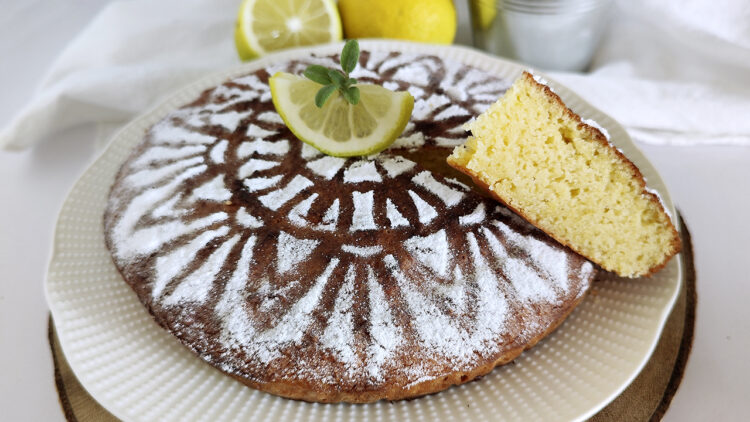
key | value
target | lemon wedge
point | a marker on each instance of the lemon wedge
(340, 128)
(267, 25)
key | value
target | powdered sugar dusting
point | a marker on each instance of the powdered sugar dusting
(448, 142)
(423, 108)
(527, 283)
(266, 345)
(255, 165)
(247, 220)
(254, 131)
(363, 217)
(432, 251)
(331, 217)
(386, 335)
(157, 153)
(339, 334)
(291, 251)
(169, 266)
(167, 209)
(217, 152)
(453, 111)
(236, 326)
(435, 329)
(450, 196)
(213, 190)
(271, 117)
(229, 120)
(262, 147)
(260, 183)
(541, 80)
(586, 269)
(195, 287)
(593, 123)
(396, 165)
(426, 212)
(277, 198)
(362, 171)
(395, 217)
(363, 251)
(661, 201)
(166, 133)
(553, 261)
(414, 140)
(299, 212)
(326, 166)
(131, 242)
(309, 151)
(477, 216)
(150, 176)
(439, 331)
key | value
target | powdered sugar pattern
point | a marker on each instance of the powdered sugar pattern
(362, 217)
(425, 211)
(396, 218)
(217, 152)
(395, 166)
(290, 251)
(362, 171)
(213, 190)
(339, 334)
(450, 196)
(431, 250)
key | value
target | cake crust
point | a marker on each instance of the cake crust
(599, 137)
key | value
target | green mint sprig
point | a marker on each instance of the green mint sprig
(334, 79)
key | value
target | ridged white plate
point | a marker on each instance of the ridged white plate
(139, 372)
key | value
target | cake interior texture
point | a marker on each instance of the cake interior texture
(533, 153)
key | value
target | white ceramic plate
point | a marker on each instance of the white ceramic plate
(140, 372)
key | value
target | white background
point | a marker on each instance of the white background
(710, 185)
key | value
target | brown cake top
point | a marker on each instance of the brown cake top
(279, 264)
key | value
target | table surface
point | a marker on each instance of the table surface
(710, 185)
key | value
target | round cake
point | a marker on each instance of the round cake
(328, 279)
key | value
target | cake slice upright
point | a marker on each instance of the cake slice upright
(536, 155)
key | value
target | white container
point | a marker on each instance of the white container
(546, 34)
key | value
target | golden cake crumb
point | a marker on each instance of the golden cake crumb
(534, 154)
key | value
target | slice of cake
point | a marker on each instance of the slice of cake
(536, 155)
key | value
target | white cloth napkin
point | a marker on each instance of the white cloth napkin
(672, 72)
(131, 54)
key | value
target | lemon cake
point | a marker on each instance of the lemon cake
(329, 279)
(561, 174)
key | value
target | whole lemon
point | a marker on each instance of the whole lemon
(417, 20)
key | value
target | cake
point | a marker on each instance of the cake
(534, 154)
(328, 279)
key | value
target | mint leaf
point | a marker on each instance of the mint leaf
(350, 56)
(333, 80)
(317, 73)
(337, 78)
(323, 94)
(351, 94)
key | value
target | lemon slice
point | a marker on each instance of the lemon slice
(340, 128)
(267, 25)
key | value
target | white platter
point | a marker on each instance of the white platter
(139, 372)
